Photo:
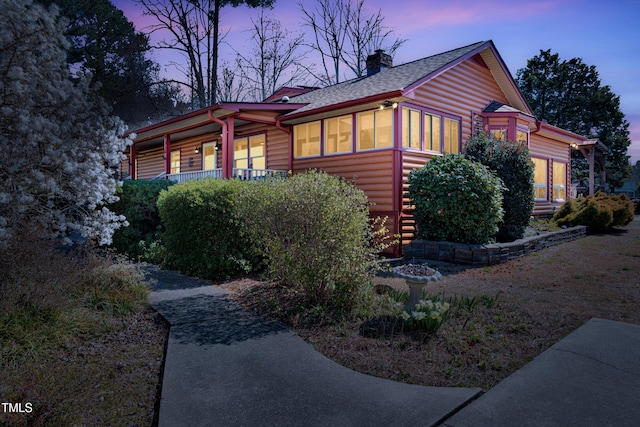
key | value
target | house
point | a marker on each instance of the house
(373, 130)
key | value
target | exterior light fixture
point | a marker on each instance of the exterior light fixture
(218, 146)
(388, 104)
(197, 150)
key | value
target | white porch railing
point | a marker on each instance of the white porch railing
(184, 176)
(252, 174)
(239, 173)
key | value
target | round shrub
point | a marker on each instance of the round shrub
(202, 234)
(456, 199)
(511, 161)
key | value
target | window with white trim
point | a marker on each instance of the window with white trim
(432, 132)
(209, 156)
(540, 177)
(559, 181)
(175, 162)
(249, 153)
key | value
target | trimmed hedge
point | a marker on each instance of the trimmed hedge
(203, 235)
(456, 199)
(138, 203)
(511, 162)
(599, 212)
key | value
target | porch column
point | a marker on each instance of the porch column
(227, 149)
(591, 160)
(167, 154)
(132, 161)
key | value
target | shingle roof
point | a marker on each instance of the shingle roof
(387, 80)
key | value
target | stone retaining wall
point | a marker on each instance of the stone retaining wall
(496, 253)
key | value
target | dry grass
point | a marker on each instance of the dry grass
(77, 340)
(542, 297)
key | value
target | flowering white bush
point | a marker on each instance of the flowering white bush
(57, 140)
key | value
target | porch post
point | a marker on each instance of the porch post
(227, 150)
(132, 161)
(167, 154)
(591, 160)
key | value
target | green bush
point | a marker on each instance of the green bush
(511, 161)
(456, 199)
(202, 233)
(599, 212)
(314, 232)
(138, 203)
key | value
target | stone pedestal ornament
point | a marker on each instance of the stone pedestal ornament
(416, 277)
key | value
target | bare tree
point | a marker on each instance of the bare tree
(233, 83)
(366, 34)
(276, 58)
(343, 34)
(194, 26)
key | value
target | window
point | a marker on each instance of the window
(337, 135)
(175, 161)
(411, 128)
(432, 125)
(451, 136)
(249, 153)
(540, 179)
(375, 129)
(209, 156)
(498, 134)
(522, 136)
(559, 181)
(306, 139)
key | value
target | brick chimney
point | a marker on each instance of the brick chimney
(378, 61)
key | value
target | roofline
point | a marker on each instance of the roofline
(342, 105)
(446, 67)
(231, 107)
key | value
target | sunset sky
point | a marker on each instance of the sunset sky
(604, 34)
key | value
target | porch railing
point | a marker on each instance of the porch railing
(253, 174)
(239, 173)
(184, 176)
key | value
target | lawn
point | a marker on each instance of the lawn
(504, 316)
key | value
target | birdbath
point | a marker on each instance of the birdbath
(416, 276)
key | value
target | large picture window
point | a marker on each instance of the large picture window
(337, 135)
(249, 153)
(306, 139)
(411, 128)
(540, 177)
(559, 181)
(375, 129)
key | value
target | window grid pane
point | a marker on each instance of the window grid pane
(540, 179)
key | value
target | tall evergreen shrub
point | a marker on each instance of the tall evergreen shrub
(138, 203)
(456, 199)
(203, 235)
(511, 162)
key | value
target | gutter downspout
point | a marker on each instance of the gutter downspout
(226, 172)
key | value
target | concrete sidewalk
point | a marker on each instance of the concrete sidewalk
(227, 367)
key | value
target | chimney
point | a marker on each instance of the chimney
(378, 61)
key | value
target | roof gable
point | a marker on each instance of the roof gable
(402, 80)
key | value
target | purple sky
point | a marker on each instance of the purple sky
(604, 34)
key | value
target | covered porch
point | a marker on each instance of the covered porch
(229, 140)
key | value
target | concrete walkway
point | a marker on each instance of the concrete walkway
(227, 367)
